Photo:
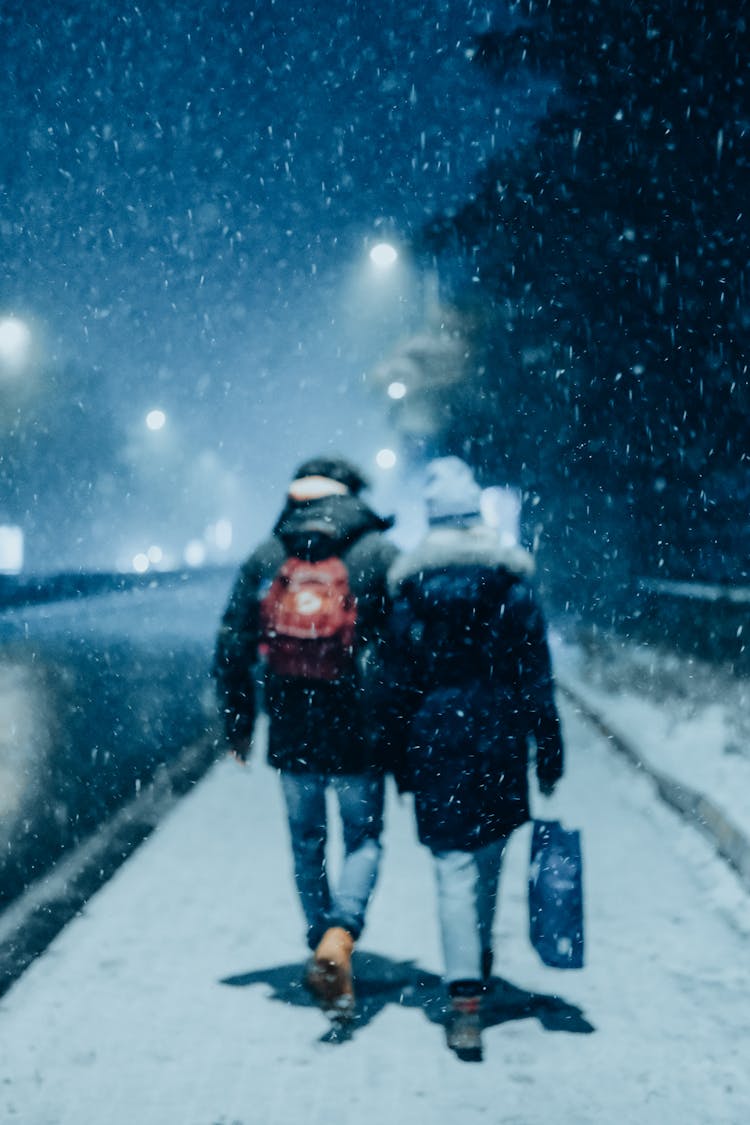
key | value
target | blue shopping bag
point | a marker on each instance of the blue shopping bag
(556, 895)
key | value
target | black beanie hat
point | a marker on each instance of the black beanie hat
(335, 468)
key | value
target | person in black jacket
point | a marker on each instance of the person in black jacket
(473, 686)
(322, 731)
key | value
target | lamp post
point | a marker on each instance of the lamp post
(431, 292)
(384, 256)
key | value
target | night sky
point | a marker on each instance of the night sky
(187, 195)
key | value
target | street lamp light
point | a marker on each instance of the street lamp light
(385, 459)
(156, 419)
(15, 344)
(383, 255)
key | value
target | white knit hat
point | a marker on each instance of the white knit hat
(451, 493)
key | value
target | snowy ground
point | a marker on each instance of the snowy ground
(687, 718)
(174, 998)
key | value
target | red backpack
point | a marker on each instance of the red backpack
(307, 620)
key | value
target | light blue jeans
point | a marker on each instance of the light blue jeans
(360, 801)
(467, 887)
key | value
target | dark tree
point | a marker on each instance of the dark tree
(609, 259)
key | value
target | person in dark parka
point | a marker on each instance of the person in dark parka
(474, 689)
(322, 733)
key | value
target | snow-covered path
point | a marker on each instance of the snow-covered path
(174, 998)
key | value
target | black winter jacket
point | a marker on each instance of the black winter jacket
(469, 658)
(314, 726)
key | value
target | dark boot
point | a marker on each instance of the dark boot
(464, 1027)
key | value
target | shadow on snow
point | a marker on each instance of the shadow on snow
(380, 981)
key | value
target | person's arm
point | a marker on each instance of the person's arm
(381, 691)
(234, 660)
(537, 687)
(404, 676)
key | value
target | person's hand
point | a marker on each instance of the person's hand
(239, 749)
(547, 788)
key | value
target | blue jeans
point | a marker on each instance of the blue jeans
(467, 886)
(360, 800)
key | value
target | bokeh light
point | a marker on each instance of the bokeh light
(385, 459)
(15, 344)
(195, 553)
(383, 255)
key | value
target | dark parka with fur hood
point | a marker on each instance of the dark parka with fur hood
(315, 726)
(469, 656)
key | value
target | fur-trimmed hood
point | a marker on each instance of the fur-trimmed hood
(444, 547)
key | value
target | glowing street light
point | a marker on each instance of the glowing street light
(195, 553)
(383, 255)
(396, 389)
(11, 549)
(385, 459)
(15, 344)
(223, 534)
(156, 419)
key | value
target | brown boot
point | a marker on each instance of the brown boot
(464, 1028)
(329, 974)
